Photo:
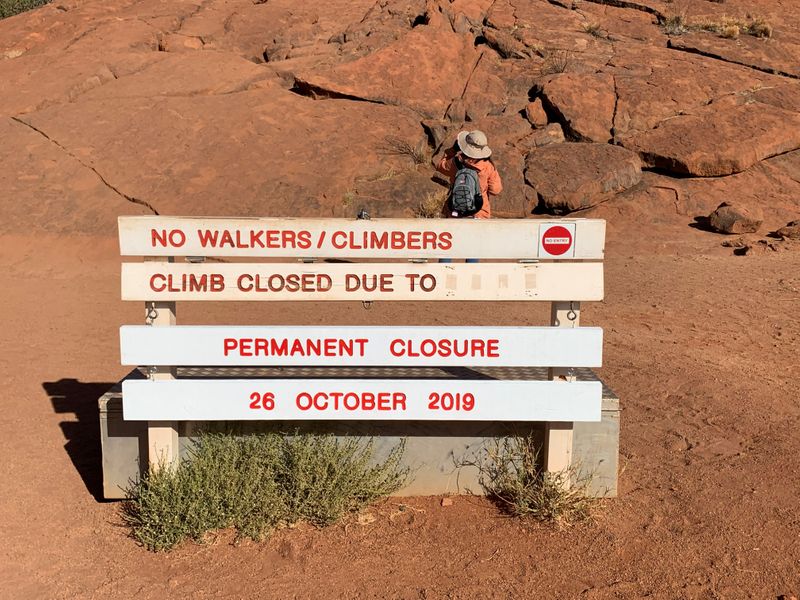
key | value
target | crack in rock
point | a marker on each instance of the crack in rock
(714, 56)
(113, 188)
(630, 5)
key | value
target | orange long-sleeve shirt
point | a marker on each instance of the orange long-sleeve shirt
(488, 178)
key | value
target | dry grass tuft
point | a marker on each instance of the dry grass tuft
(555, 61)
(675, 24)
(594, 29)
(733, 27)
(431, 206)
(396, 146)
(511, 474)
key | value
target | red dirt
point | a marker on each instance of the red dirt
(700, 346)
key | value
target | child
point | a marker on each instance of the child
(472, 150)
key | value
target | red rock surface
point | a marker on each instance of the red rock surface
(735, 218)
(570, 177)
(583, 104)
(721, 142)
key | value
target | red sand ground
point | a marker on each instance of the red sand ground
(700, 346)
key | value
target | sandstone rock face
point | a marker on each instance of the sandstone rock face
(424, 71)
(583, 104)
(666, 84)
(782, 58)
(570, 177)
(390, 194)
(735, 218)
(720, 143)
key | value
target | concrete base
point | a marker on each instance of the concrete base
(433, 449)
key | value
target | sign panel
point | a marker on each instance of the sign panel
(343, 238)
(361, 346)
(358, 399)
(346, 281)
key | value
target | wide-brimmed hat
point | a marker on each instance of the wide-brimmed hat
(474, 144)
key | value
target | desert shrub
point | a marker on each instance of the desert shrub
(675, 24)
(9, 8)
(430, 207)
(731, 27)
(512, 476)
(323, 478)
(418, 153)
(593, 29)
(555, 61)
(256, 483)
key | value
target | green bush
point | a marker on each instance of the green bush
(256, 483)
(9, 8)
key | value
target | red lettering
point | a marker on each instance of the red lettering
(226, 240)
(228, 344)
(338, 240)
(392, 349)
(304, 240)
(240, 282)
(398, 401)
(216, 282)
(160, 238)
(208, 237)
(153, 282)
(445, 240)
(303, 401)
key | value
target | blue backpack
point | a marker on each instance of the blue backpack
(465, 198)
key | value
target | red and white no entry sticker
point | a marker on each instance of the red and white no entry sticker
(557, 240)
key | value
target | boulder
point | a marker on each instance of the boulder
(512, 202)
(718, 143)
(735, 218)
(582, 103)
(570, 177)
(790, 231)
(423, 70)
(549, 134)
(485, 93)
(535, 114)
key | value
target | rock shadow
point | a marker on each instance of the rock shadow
(703, 224)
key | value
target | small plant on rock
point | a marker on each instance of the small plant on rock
(555, 61)
(431, 206)
(594, 29)
(418, 153)
(675, 24)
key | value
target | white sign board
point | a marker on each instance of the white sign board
(359, 399)
(362, 346)
(343, 238)
(347, 281)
